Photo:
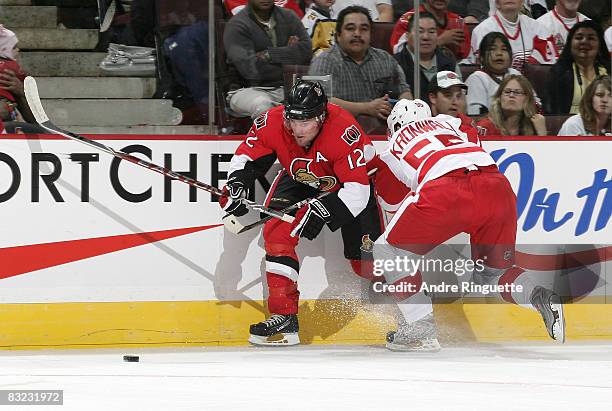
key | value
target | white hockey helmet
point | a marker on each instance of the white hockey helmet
(406, 111)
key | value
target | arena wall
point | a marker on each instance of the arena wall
(96, 253)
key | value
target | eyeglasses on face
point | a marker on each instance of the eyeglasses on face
(511, 92)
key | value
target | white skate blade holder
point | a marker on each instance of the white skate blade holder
(559, 325)
(278, 340)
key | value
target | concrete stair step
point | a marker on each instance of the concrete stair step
(67, 3)
(56, 39)
(15, 2)
(96, 87)
(119, 112)
(168, 130)
(66, 64)
(28, 16)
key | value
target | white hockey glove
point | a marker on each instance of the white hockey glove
(310, 219)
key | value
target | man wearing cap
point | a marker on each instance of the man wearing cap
(446, 93)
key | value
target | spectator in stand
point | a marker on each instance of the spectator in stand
(513, 110)
(595, 110)
(531, 42)
(12, 96)
(234, 7)
(452, 32)
(608, 37)
(531, 8)
(318, 10)
(432, 58)
(495, 60)
(472, 11)
(258, 41)
(364, 78)
(584, 57)
(446, 94)
(319, 21)
(380, 10)
(561, 19)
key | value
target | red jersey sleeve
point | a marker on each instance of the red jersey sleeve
(257, 145)
(350, 155)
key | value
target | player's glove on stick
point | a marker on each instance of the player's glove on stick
(237, 189)
(310, 219)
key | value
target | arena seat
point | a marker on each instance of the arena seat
(537, 74)
(467, 69)
(554, 123)
(381, 36)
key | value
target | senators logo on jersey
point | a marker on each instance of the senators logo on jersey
(301, 172)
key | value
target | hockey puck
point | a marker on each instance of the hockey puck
(131, 358)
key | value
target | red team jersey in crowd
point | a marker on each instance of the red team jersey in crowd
(400, 33)
(427, 149)
(335, 161)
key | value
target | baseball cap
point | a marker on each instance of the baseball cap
(445, 79)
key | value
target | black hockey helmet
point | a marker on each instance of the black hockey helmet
(306, 100)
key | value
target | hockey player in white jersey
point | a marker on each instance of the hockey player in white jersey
(456, 188)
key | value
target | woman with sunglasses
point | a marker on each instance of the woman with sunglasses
(513, 110)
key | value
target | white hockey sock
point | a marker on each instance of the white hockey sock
(415, 307)
(522, 298)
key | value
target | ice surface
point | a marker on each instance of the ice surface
(484, 377)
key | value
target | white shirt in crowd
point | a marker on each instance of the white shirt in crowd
(481, 88)
(527, 37)
(560, 26)
(368, 4)
(608, 37)
(573, 126)
(527, 3)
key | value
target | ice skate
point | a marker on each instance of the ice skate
(421, 335)
(278, 330)
(549, 306)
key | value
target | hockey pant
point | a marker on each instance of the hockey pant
(282, 263)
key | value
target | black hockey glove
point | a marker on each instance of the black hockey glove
(237, 189)
(310, 219)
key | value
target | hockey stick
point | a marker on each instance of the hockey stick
(31, 92)
(285, 210)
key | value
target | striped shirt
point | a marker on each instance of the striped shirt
(379, 74)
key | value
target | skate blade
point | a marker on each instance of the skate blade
(427, 345)
(278, 340)
(558, 328)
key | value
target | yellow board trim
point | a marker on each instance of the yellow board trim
(214, 323)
